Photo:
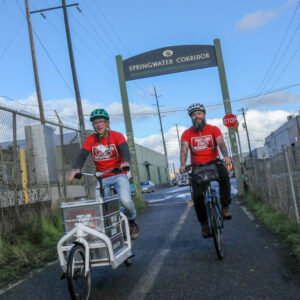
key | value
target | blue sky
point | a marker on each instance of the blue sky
(251, 34)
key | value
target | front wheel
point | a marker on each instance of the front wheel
(217, 232)
(79, 284)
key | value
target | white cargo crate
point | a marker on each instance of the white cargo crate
(92, 213)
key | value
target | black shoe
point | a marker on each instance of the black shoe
(134, 229)
(227, 215)
(205, 230)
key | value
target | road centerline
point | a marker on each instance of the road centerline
(145, 283)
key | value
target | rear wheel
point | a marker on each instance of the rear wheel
(216, 226)
(79, 284)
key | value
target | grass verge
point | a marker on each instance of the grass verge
(29, 247)
(34, 244)
(279, 223)
(140, 204)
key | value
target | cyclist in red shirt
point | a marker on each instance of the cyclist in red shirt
(203, 141)
(109, 150)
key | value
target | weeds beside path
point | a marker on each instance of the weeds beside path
(31, 246)
(277, 222)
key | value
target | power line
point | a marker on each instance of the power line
(107, 48)
(279, 48)
(12, 39)
(101, 26)
(111, 27)
(47, 53)
(281, 58)
(22, 104)
(154, 113)
(293, 56)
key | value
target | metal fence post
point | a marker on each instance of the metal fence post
(289, 169)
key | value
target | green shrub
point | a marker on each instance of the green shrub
(278, 222)
(30, 246)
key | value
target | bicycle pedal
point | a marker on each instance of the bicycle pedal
(63, 276)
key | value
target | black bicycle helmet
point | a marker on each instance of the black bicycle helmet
(196, 106)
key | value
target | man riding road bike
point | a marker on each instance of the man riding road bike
(109, 150)
(203, 141)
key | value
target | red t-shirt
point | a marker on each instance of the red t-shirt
(105, 158)
(203, 144)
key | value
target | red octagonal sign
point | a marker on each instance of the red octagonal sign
(230, 120)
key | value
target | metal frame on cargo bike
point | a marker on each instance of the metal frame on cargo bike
(214, 214)
(94, 237)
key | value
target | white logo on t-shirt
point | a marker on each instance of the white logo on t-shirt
(102, 152)
(201, 143)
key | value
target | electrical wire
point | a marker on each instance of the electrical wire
(12, 39)
(137, 84)
(86, 58)
(279, 48)
(47, 53)
(293, 56)
(281, 58)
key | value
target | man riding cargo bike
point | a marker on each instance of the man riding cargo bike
(203, 141)
(109, 150)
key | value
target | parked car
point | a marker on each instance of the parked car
(147, 186)
(174, 182)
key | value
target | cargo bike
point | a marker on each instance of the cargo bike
(96, 234)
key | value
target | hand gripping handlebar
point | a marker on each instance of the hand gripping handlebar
(100, 174)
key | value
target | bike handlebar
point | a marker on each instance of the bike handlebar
(189, 167)
(100, 174)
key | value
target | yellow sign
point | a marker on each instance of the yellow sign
(236, 127)
(24, 175)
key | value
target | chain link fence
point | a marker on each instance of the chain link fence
(276, 180)
(22, 194)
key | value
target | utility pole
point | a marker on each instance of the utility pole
(249, 146)
(241, 153)
(72, 62)
(161, 129)
(228, 110)
(62, 153)
(35, 68)
(178, 138)
(75, 81)
(129, 131)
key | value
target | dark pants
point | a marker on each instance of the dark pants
(199, 196)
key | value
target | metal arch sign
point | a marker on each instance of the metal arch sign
(169, 60)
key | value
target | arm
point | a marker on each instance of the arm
(183, 155)
(79, 163)
(222, 146)
(124, 149)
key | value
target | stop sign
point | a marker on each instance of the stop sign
(230, 120)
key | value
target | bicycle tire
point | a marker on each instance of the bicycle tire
(217, 232)
(79, 285)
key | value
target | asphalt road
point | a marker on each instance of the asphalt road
(173, 261)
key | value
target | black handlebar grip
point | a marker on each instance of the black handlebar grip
(78, 176)
(126, 168)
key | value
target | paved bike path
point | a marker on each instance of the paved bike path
(173, 261)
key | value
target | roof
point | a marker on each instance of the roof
(69, 137)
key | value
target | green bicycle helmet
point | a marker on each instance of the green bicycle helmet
(99, 113)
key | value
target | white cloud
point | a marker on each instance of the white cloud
(256, 19)
(262, 17)
(273, 99)
(67, 109)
